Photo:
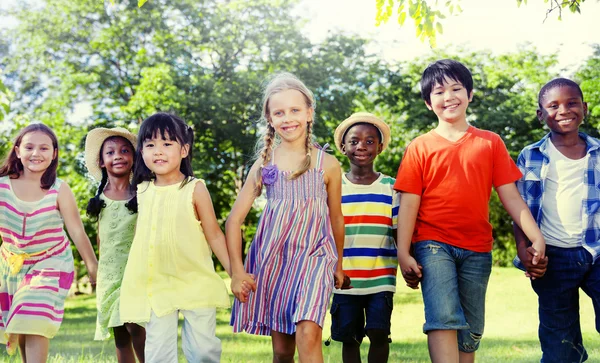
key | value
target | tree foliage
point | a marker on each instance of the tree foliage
(428, 15)
(206, 61)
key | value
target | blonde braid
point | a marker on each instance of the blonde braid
(265, 155)
(307, 159)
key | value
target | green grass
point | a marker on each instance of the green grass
(510, 336)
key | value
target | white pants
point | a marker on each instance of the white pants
(199, 342)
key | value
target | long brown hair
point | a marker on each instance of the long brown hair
(12, 165)
(264, 147)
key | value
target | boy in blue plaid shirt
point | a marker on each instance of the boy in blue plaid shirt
(560, 184)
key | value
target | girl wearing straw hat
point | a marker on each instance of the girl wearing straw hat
(109, 155)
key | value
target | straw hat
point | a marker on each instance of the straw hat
(362, 117)
(93, 143)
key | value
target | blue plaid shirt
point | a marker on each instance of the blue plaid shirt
(533, 162)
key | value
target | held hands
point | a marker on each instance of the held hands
(341, 280)
(540, 248)
(92, 272)
(241, 285)
(535, 262)
(411, 271)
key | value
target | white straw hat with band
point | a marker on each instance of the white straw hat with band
(362, 117)
(93, 143)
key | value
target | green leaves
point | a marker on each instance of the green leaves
(426, 13)
(425, 16)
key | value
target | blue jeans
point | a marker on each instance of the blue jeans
(348, 315)
(454, 284)
(558, 295)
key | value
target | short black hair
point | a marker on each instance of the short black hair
(444, 68)
(558, 82)
(379, 136)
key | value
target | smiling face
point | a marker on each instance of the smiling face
(562, 109)
(163, 156)
(288, 114)
(35, 152)
(117, 156)
(449, 101)
(362, 144)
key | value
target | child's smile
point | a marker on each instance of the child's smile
(562, 110)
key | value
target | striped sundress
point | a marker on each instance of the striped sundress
(32, 295)
(292, 257)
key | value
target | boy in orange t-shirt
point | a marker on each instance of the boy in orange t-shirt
(446, 177)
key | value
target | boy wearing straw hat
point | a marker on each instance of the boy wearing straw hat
(370, 208)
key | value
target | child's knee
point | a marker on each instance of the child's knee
(134, 330)
(377, 336)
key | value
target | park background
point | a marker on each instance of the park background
(80, 64)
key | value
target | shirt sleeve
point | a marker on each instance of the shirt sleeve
(410, 172)
(505, 170)
(521, 182)
(395, 208)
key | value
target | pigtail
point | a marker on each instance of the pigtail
(132, 205)
(307, 159)
(96, 204)
(265, 156)
(186, 164)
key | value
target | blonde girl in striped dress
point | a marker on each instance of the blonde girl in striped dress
(170, 268)
(36, 263)
(291, 268)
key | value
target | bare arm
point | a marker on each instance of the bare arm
(206, 214)
(407, 216)
(333, 179)
(70, 214)
(233, 232)
(519, 212)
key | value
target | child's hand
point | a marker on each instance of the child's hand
(241, 285)
(528, 256)
(411, 271)
(339, 278)
(92, 271)
(540, 248)
(345, 281)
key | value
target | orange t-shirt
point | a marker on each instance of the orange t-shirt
(454, 180)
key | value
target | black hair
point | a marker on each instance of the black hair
(95, 204)
(363, 123)
(444, 68)
(165, 125)
(557, 82)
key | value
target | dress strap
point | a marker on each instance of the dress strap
(320, 155)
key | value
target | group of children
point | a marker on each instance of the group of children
(321, 231)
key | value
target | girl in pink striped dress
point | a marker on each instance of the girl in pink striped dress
(36, 263)
(291, 268)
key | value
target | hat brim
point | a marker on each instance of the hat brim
(362, 117)
(93, 142)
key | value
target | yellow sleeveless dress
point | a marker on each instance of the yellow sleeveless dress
(170, 264)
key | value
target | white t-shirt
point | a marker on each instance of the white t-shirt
(562, 224)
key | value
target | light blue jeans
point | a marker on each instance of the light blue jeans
(454, 284)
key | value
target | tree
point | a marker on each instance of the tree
(428, 17)
(589, 76)
(204, 60)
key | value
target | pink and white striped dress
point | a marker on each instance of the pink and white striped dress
(32, 297)
(292, 257)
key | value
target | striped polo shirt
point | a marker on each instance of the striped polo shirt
(371, 216)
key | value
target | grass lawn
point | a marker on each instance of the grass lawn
(510, 336)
